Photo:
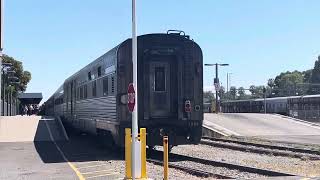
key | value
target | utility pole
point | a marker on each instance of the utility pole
(1, 48)
(135, 160)
(228, 81)
(265, 100)
(216, 83)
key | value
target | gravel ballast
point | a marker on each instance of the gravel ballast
(264, 161)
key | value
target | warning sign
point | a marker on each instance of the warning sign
(131, 97)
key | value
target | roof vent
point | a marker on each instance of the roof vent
(178, 33)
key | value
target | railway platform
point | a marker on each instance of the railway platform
(35, 147)
(265, 126)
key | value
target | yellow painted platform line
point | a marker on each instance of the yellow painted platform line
(92, 172)
(85, 167)
(89, 177)
(80, 176)
(84, 163)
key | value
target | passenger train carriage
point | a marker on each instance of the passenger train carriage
(306, 107)
(170, 91)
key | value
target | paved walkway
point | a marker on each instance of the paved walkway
(268, 126)
(34, 147)
(29, 128)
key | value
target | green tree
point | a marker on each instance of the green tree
(222, 93)
(208, 97)
(271, 83)
(256, 91)
(233, 92)
(23, 76)
(242, 93)
(286, 83)
(307, 76)
(314, 87)
(315, 76)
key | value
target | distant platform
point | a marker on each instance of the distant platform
(30, 128)
(267, 126)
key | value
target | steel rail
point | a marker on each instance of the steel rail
(258, 150)
(284, 148)
(192, 171)
(241, 168)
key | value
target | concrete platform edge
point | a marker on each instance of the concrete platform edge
(299, 120)
(58, 119)
(209, 132)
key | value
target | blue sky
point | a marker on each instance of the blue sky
(259, 39)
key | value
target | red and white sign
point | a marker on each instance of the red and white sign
(131, 97)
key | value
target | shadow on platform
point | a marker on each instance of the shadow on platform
(80, 147)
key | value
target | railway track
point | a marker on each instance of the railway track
(192, 171)
(155, 157)
(262, 148)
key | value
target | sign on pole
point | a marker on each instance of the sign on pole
(217, 86)
(131, 97)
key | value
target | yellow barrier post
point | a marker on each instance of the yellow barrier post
(143, 140)
(128, 141)
(165, 158)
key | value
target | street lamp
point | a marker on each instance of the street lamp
(216, 82)
(1, 45)
(228, 80)
(8, 78)
(11, 83)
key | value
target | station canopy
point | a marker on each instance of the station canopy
(30, 98)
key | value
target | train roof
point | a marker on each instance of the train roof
(114, 50)
(274, 98)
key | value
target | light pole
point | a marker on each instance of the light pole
(15, 81)
(265, 99)
(228, 80)
(1, 47)
(216, 82)
(5, 72)
(135, 161)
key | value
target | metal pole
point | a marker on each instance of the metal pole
(1, 47)
(135, 83)
(265, 103)
(230, 80)
(217, 95)
(10, 101)
(227, 82)
(4, 93)
(165, 158)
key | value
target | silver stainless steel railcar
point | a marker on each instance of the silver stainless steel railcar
(170, 91)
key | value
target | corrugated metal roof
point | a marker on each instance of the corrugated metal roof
(30, 96)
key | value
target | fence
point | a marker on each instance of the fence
(8, 109)
(308, 115)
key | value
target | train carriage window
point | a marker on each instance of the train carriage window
(105, 86)
(85, 92)
(81, 92)
(94, 88)
(78, 93)
(112, 84)
(99, 71)
(89, 76)
(159, 79)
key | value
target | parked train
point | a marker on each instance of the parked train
(302, 107)
(170, 91)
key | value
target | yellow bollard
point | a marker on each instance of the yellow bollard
(165, 158)
(128, 141)
(143, 140)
